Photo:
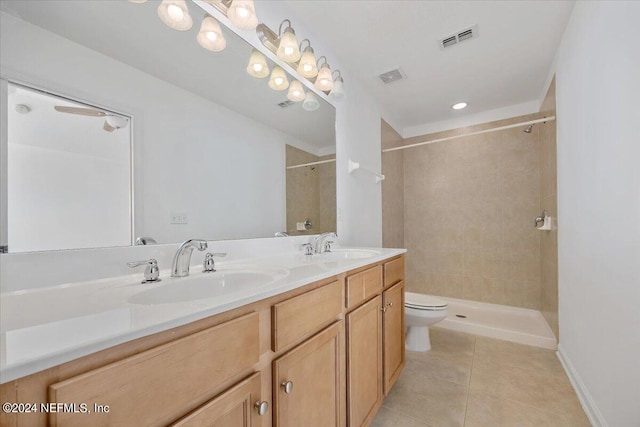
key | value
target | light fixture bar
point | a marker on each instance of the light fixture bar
(268, 38)
(222, 5)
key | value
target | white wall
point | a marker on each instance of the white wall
(194, 162)
(598, 108)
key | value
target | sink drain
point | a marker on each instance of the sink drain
(462, 316)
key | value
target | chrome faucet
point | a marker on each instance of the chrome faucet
(182, 258)
(322, 243)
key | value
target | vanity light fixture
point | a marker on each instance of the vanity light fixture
(278, 79)
(310, 102)
(324, 81)
(258, 65)
(242, 14)
(459, 105)
(288, 47)
(307, 66)
(338, 86)
(175, 14)
(296, 92)
(210, 35)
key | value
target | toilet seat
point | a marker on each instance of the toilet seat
(423, 302)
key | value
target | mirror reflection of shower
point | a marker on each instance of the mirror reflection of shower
(69, 173)
(310, 182)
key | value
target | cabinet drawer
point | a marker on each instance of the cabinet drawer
(363, 285)
(234, 407)
(151, 387)
(393, 271)
(301, 316)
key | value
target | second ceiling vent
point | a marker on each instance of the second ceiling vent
(459, 37)
(392, 76)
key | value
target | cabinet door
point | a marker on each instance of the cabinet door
(364, 362)
(237, 407)
(307, 382)
(393, 334)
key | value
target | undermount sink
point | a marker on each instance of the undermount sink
(345, 254)
(209, 285)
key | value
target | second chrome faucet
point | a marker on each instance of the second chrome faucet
(182, 258)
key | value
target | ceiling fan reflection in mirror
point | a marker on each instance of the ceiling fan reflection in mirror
(111, 121)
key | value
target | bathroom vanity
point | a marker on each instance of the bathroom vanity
(320, 345)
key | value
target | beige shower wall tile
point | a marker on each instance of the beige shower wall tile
(472, 262)
(522, 293)
(453, 286)
(493, 291)
(472, 288)
(471, 237)
(471, 196)
(548, 201)
(492, 264)
(392, 189)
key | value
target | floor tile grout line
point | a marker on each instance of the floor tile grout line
(466, 406)
(520, 402)
(402, 414)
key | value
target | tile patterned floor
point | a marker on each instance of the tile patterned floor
(473, 381)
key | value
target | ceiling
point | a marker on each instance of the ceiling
(133, 34)
(507, 64)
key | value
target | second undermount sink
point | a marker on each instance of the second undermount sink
(210, 285)
(348, 254)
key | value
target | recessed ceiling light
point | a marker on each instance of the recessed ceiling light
(459, 105)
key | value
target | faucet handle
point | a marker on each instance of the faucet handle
(151, 272)
(308, 248)
(209, 265)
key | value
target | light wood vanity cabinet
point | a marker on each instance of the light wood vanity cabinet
(364, 361)
(375, 337)
(238, 407)
(308, 382)
(393, 331)
(321, 355)
(150, 387)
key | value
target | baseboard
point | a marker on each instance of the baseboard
(588, 404)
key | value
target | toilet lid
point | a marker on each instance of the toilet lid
(422, 301)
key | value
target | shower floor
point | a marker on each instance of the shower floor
(515, 324)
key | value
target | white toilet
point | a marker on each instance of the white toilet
(421, 311)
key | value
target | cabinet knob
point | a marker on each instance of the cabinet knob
(390, 304)
(261, 407)
(287, 386)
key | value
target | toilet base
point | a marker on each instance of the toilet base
(417, 338)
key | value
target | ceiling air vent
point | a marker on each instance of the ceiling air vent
(285, 104)
(459, 37)
(392, 76)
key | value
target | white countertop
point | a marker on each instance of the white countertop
(44, 327)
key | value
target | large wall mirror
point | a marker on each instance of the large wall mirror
(119, 127)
